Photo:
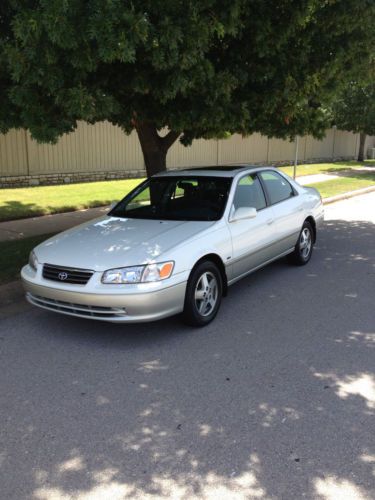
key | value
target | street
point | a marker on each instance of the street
(273, 400)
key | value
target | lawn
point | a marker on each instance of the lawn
(16, 254)
(32, 201)
(326, 168)
(40, 200)
(345, 184)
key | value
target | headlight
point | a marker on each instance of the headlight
(123, 275)
(139, 274)
(33, 261)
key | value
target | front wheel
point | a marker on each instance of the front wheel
(304, 246)
(203, 294)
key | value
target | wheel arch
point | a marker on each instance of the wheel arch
(312, 222)
(216, 259)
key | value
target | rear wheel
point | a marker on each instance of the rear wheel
(203, 294)
(304, 246)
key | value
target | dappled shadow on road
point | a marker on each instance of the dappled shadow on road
(275, 399)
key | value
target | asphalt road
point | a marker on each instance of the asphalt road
(275, 399)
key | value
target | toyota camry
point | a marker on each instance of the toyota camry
(174, 245)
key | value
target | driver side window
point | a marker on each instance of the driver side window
(249, 193)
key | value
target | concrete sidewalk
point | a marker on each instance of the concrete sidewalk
(305, 180)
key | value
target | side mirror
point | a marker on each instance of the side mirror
(244, 213)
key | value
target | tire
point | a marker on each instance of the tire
(304, 246)
(203, 294)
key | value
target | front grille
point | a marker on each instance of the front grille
(66, 274)
(81, 310)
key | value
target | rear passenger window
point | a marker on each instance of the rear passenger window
(278, 188)
(249, 193)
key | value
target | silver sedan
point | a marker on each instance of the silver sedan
(174, 245)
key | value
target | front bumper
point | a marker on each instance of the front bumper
(110, 305)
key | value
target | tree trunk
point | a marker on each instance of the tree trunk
(154, 147)
(361, 152)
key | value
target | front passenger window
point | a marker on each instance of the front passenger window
(278, 188)
(249, 193)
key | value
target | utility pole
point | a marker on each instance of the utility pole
(295, 157)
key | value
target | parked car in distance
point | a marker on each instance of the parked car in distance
(174, 245)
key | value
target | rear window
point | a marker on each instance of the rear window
(278, 188)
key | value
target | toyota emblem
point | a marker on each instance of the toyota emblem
(62, 276)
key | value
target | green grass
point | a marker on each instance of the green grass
(15, 254)
(41, 200)
(345, 184)
(326, 168)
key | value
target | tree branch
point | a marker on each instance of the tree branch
(169, 139)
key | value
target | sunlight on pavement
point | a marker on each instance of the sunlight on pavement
(363, 386)
(368, 458)
(152, 366)
(212, 486)
(332, 488)
(271, 415)
(73, 464)
(369, 338)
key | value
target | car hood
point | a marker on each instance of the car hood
(110, 242)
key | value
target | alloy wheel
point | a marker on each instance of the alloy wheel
(305, 243)
(206, 293)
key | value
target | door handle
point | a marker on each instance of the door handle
(270, 221)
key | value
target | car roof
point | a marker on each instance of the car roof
(214, 171)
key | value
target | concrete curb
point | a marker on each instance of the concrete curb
(349, 194)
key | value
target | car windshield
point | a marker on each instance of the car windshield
(176, 198)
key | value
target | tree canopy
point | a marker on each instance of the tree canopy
(354, 110)
(200, 68)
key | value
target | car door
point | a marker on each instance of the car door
(287, 208)
(252, 239)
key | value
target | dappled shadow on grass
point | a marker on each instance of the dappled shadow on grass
(353, 163)
(274, 399)
(355, 173)
(13, 210)
(353, 167)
